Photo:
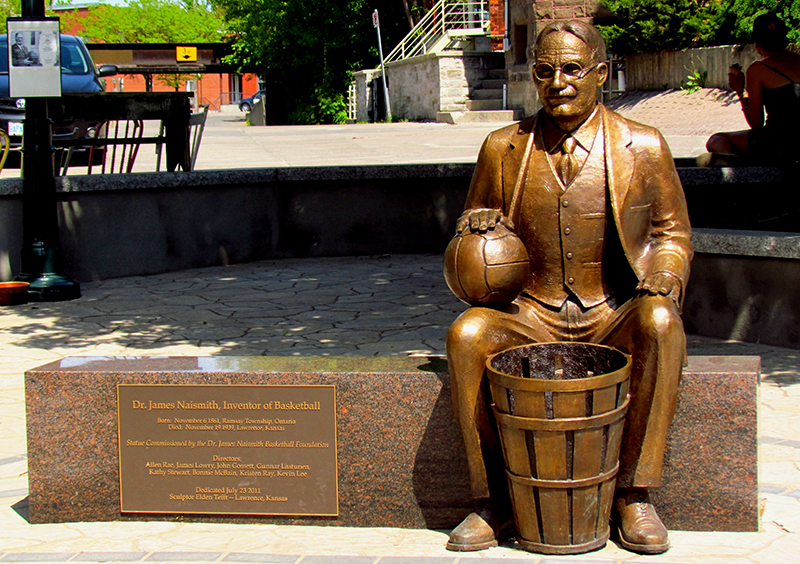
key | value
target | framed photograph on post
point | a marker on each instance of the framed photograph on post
(34, 57)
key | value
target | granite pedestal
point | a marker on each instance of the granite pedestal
(400, 455)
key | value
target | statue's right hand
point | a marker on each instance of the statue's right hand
(482, 220)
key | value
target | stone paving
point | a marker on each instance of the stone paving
(388, 305)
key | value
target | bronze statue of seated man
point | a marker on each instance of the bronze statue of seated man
(602, 214)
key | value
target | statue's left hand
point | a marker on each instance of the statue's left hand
(662, 283)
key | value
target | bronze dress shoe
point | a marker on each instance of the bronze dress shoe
(480, 530)
(640, 528)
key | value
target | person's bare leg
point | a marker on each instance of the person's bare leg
(729, 142)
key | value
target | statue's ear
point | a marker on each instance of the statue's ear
(602, 73)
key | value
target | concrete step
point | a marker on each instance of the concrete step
(497, 73)
(439, 45)
(474, 105)
(487, 94)
(493, 83)
(485, 116)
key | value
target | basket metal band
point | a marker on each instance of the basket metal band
(563, 484)
(566, 424)
(577, 385)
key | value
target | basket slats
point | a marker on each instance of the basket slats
(560, 411)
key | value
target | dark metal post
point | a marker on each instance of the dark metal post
(41, 260)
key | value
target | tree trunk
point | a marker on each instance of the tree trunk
(408, 15)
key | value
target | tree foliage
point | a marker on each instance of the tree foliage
(306, 51)
(151, 21)
(650, 26)
(8, 8)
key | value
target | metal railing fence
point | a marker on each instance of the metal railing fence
(447, 19)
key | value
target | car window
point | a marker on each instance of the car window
(3, 56)
(72, 59)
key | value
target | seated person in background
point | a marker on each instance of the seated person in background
(772, 86)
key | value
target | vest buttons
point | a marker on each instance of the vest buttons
(565, 203)
(569, 256)
(567, 231)
(571, 280)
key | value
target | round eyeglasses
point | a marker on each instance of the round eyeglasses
(573, 70)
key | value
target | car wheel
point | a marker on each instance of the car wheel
(246, 107)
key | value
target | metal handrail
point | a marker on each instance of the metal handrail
(447, 17)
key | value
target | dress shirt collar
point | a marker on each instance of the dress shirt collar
(584, 135)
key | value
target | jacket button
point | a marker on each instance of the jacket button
(567, 231)
(571, 280)
(569, 256)
(565, 203)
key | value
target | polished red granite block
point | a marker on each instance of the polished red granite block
(710, 480)
(400, 454)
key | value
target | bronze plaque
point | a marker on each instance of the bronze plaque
(259, 450)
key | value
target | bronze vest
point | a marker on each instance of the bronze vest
(573, 247)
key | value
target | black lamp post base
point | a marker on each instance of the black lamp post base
(41, 267)
(51, 288)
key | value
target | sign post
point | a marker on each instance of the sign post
(377, 25)
(41, 259)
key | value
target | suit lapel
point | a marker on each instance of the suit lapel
(512, 160)
(619, 163)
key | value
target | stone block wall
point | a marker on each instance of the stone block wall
(549, 10)
(363, 93)
(420, 87)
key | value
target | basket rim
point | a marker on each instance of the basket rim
(541, 385)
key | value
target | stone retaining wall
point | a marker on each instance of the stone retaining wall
(742, 286)
(420, 87)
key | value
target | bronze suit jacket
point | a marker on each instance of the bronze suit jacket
(646, 195)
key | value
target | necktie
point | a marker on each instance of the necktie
(568, 164)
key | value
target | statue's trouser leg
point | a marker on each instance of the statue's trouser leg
(650, 329)
(477, 334)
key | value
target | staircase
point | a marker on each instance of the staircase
(485, 103)
(458, 25)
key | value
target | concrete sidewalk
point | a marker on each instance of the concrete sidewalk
(685, 119)
(391, 305)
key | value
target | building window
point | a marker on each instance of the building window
(520, 44)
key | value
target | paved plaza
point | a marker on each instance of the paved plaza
(685, 119)
(387, 305)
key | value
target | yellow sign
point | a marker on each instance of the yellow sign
(186, 54)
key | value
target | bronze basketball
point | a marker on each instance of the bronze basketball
(486, 268)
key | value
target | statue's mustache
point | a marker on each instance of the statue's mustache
(568, 90)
